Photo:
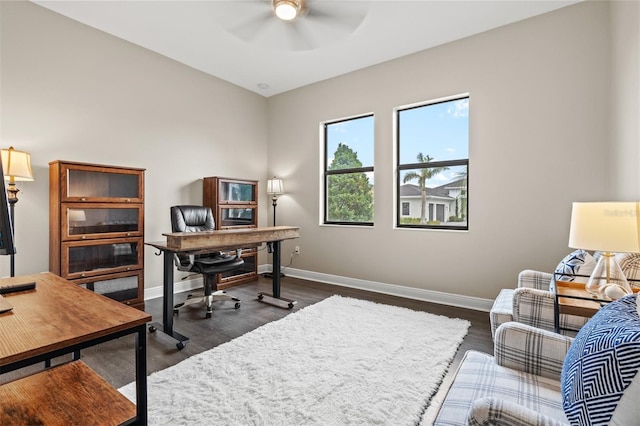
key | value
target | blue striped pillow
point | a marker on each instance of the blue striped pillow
(601, 364)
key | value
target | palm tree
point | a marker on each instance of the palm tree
(423, 176)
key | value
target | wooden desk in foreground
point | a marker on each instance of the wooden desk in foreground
(225, 239)
(58, 318)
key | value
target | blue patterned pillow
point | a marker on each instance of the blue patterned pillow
(601, 364)
(577, 262)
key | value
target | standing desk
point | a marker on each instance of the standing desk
(58, 318)
(193, 243)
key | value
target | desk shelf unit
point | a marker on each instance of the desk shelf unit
(234, 203)
(96, 228)
(69, 393)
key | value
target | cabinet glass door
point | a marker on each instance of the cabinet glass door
(90, 258)
(82, 221)
(237, 192)
(102, 185)
(237, 217)
(124, 287)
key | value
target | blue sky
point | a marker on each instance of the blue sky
(440, 131)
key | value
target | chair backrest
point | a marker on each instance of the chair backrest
(192, 219)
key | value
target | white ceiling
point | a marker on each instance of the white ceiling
(242, 42)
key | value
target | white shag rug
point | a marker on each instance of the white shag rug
(340, 361)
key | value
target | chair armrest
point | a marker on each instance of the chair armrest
(534, 307)
(534, 279)
(529, 349)
(497, 412)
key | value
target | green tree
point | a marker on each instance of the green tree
(422, 177)
(349, 195)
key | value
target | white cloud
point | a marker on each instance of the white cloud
(459, 108)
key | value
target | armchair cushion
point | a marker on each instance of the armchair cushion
(602, 366)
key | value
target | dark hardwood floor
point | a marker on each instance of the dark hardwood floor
(114, 360)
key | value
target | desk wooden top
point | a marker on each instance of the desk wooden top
(57, 314)
(225, 239)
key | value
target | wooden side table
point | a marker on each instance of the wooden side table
(571, 298)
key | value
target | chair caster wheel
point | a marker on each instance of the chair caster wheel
(152, 329)
(176, 312)
(237, 305)
(180, 346)
(260, 296)
(208, 315)
(290, 305)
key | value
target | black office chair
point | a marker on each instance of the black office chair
(197, 219)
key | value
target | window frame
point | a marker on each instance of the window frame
(434, 164)
(326, 173)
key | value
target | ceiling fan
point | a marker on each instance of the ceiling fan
(294, 24)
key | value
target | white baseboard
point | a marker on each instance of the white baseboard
(442, 298)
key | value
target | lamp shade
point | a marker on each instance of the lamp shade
(275, 186)
(16, 165)
(605, 226)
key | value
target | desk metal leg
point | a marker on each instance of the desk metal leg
(167, 308)
(275, 298)
(141, 376)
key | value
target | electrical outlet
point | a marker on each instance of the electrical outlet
(296, 250)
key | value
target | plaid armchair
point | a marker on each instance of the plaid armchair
(532, 301)
(532, 304)
(537, 377)
(520, 384)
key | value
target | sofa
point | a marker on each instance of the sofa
(538, 377)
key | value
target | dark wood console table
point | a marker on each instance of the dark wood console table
(220, 240)
(58, 318)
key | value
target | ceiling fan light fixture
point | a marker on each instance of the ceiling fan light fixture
(287, 10)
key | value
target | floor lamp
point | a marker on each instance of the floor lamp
(274, 188)
(17, 167)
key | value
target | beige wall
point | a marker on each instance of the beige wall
(541, 95)
(625, 100)
(539, 105)
(70, 92)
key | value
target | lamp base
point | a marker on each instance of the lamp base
(607, 281)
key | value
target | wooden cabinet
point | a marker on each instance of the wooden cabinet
(96, 228)
(234, 203)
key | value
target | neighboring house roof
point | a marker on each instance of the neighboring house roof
(410, 190)
(456, 184)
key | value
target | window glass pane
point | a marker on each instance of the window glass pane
(438, 132)
(350, 197)
(436, 196)
(349, 143)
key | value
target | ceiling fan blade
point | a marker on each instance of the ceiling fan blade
(344, 16)
(298, 38)
(248, 28)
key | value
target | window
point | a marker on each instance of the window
(433, 164)
(348, 171)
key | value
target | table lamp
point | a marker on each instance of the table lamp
(608, 227)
